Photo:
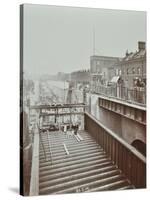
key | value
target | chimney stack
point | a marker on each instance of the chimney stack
(141, 45)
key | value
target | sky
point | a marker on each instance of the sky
(61, 39)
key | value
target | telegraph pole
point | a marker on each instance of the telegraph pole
(93, 40)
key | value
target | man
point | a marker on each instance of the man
(65, 128)
(76, 129)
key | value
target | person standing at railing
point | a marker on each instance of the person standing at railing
(76, 127)
(65, 128)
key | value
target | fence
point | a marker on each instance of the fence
(137, 95)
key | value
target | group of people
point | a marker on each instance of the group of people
(74, 128)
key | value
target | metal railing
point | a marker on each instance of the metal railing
(137, 95)
(127, 158)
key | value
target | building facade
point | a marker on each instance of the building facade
(132, 68)
(81, 76)
(102, 70)
(123, 78)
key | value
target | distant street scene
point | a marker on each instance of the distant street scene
(83, 100)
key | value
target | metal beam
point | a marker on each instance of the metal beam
(58, 106)
(61, 114)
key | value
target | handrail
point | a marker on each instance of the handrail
(126, 157)
(34, 181)
(123, 102)
(42, 144)
(135, 95)
(50, 151)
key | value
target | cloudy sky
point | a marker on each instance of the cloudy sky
(61, 38)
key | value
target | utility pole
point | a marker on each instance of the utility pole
(93, 40)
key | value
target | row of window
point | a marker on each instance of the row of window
(128, 71)
(96, 69)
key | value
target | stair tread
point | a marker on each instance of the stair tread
(126, 187)
(57, 163)
(87, 185)
(73, 156)
(73, 144)
(79, 165)
(86, 166)
(79, 174)
(90, 184)
(81, 180)
(84, 150)
(116, 184)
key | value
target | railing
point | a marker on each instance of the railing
(50, 151)
(137, 95)
(127, 158)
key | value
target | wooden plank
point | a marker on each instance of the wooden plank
(79, 136)
(67, 152)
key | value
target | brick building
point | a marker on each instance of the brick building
(102, 69)
(132, 68)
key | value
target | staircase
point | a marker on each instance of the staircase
(70, 164)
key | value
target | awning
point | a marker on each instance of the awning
(115, 79)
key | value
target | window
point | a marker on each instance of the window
(133, 70)
(127, 71)
(120, 72)
(139, 70)
(117, 71)
(97, 69)
(98, 62)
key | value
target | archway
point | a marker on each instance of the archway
(140, 146)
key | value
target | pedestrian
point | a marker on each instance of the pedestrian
(73, 128)
(76, 129)
(65, 128)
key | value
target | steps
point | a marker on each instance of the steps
(76, 164)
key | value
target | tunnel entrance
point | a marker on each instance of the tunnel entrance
(140, 146)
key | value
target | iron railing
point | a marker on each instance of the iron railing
(137, 94)
(127, 158)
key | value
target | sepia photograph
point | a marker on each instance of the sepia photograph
(82, 100)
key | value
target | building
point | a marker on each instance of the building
(123, 78)
(132, 68)
(102, 69)
(81, 76)
(61, 76)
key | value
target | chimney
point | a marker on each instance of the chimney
(141, 45)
